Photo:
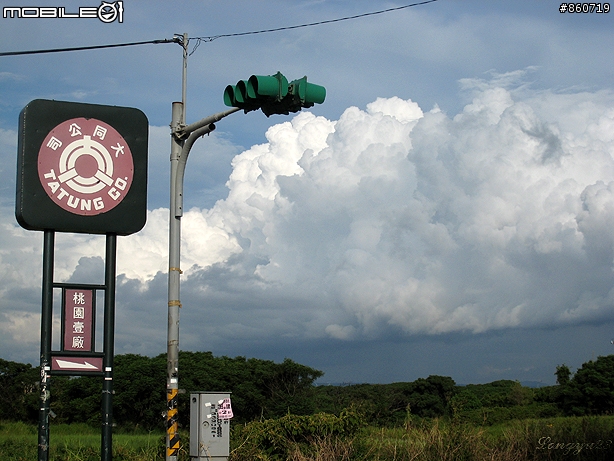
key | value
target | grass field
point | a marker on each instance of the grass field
(577, 439)
(587, 439)
(77, 442)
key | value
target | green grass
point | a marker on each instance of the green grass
(577, 438)
(574, 438)
(77, 442)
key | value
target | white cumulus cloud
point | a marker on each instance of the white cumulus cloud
(390, 219)
(494, 218)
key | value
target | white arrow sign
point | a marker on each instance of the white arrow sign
(77, 364)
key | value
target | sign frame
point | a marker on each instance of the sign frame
(36, 210)
(86, 362)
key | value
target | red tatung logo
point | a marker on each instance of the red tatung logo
(85, 166)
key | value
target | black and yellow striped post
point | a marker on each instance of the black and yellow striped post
(172, 433)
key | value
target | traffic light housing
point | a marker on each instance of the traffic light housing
(273, 94)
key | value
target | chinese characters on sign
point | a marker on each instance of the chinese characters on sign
(78, 320)
(221, 413)
(224, 410)
(85, 166)
(82, 168)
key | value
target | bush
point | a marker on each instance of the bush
(296, 437)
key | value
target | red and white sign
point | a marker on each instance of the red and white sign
(78, 320)
(77, 364)
(85, 166)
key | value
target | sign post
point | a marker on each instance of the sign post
(81, 168)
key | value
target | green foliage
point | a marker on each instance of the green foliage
(503, 393)
(388, 404)
(489, 416)
(260, 388)
(78, 442)
(563, 375)
(277, 439)
(433, 440)
(18, 391)
(578, 438)
(497, 402)
(328, 438)
(139, 402)
(583, 439)
(591, 390)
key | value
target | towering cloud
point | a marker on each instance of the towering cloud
(392, 219)
(498, 217)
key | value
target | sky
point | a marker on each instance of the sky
(448, 210)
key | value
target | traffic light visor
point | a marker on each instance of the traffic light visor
(315, 93)
(308, 93)
(272, 86)
(229, 96)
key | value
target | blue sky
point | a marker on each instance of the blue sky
(447, 210)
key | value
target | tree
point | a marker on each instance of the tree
(288, 389)
(563, 375)
(260, 388)
(18, 391)
(591, 390)
(140, 398)
(430, 397)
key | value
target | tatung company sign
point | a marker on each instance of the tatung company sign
(85, 166)
(82, 168)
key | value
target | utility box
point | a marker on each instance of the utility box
(210, 414)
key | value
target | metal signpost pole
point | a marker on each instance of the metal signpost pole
(45, 352)
(109, 348)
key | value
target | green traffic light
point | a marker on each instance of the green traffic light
(267, 86)
(233, 96)
(308, 93)
(273, 94)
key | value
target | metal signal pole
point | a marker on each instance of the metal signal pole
(274, 95)
(172, 379)
(182, 139)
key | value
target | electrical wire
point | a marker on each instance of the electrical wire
(179, 39)
(93, 47)
(239, 34)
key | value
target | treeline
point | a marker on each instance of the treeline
(262, 389)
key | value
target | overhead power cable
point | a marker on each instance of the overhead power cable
(329, 21)
(93, 47)
(178, 39)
